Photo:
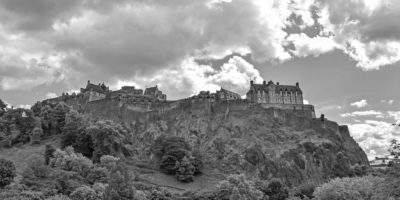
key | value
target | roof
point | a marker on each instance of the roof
(278, 88)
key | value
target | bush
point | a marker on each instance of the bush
(7, 172)
(70, 161)
(237, 187)
(184, 170)
(347, 188)
(84, 193)
(48, 153)
(305, 190)
(36, 135)
(58, 197)
(107, 138)
(119, 184)
(276, 190)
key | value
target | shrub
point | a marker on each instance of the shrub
(58, 197)
(237, 187)
(70, 161)
(65, 181)
(305, 190)
(36, 135)
(84, 193)
(48, 153)
(97, 174)
(168, 163)
(276, 190)
(119, 184)
(107, 138)
(184, 170)
(7, 172)
(347, 188)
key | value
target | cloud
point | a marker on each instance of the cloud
(367, 32)
(360, 104)
(51, 95)
(395, 115)
(390, 101)
(315, 46)
(190, 78)
(374, 136)
(378, 114)
(305, 101)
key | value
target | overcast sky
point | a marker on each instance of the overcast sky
(344, 53)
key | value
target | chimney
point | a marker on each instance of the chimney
(277, 83)
(264, 82)
(297, 84)
(251, 82)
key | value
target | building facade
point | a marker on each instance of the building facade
(155, 93)
(272, 93)
(224, 94)
(95, 92)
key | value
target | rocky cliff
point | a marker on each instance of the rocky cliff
(249, 139)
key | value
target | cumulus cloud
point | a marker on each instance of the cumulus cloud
(378, 114)
(48, 41)
(360, 104)
(374, 136)
(367, 32)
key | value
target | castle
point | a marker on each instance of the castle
(94, 92)
(267, 95)
(274, 93)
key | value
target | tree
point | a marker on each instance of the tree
(347, 188)
(48, 153)
(36, 135)
(276, 190)
(119, 185)
(107, 138)
(237, 187)
(184, 170)
(3, 106)
(7, 172)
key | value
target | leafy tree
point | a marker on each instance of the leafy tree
(347, 188)
(184, 170)
(119, 184)
(70, 161)
(7, 172)
(341, 168)
(48, 153)
(305, 190)
(88, 193)
(276, 190)
(237, 187)
(108, 139)
(36, 135)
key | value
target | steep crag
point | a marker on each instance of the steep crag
(241, 138)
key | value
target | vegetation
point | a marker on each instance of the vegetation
(7, 172)
(176, 157)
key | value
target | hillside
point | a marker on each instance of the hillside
(260, 142)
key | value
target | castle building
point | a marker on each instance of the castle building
(95, 92)
(155, 93)
(274, 93)
(224, 94)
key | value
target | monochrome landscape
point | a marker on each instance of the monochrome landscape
(199, 100)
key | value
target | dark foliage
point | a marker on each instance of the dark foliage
(305, 190)
(341, 168)
(275, 190)
(119, 184)
(7, 172)
(184, 170)
(48, 153)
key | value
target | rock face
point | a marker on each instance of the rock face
(249, 139)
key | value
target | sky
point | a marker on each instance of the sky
(344, 53)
